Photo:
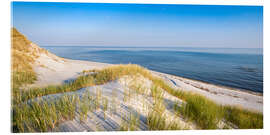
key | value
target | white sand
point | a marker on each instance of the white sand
(54, 70)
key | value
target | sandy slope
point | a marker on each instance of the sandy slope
(53, 70)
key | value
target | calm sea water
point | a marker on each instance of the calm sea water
(238, 68)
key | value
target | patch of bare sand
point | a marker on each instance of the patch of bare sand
(53, 70)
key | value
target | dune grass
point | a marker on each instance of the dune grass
(105, 106)
(129, 122)
(157, 118)
(155, 121)
(243, 119)
(19, 41)
(204, 112)
(38, 115)
(197, 108)
(84, 108)
(97, 78)
(21, 64)
(42, 116)
(113, 105)
(207, 113)
(80, 82)
(22, 74)
(136, 84)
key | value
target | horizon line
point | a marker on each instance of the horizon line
(104, 46)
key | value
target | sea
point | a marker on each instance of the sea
(240, 68)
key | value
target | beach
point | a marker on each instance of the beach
(236, 68)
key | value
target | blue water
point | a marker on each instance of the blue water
(238, 68)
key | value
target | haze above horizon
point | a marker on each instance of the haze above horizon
(138, 25)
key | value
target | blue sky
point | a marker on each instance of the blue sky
(94, 24)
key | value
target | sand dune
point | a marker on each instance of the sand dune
(113, 99)
(52, 69)
(137, 104)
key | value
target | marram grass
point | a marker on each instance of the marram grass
(204, 112)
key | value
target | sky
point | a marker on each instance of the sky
(138, 25)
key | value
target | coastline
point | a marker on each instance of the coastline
(216, 85)
(53, 70)
(221, 95)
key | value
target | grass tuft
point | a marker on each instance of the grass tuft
(243, 119)
(204, 112)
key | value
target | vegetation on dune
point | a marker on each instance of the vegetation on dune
(37, 116)
(40, 116)
(21, 63)
(22, 72)
(204, 112)
(129, 122)
(197, 108)
(23, 52)
(155, 121)
(97, 78)
(80, 82)
(105, 106)
(157, 118)
(243, 119)
(31, 115)
(19, 41)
